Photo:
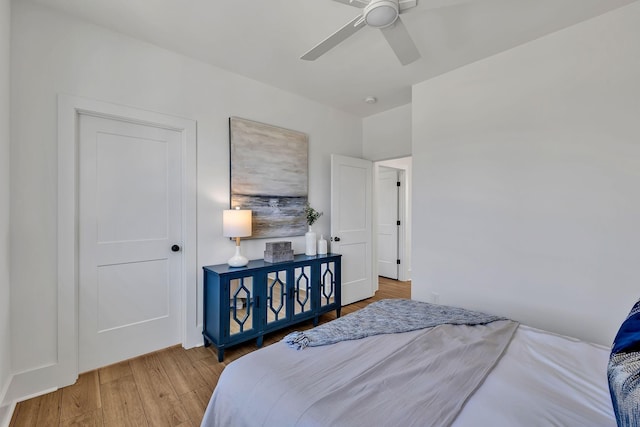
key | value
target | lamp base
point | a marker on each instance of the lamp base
(238, 260)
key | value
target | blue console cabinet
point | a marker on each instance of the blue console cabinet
(243, 303)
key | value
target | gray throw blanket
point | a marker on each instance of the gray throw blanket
(386, 317)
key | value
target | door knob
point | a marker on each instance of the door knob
(336, 239)
(175, 248)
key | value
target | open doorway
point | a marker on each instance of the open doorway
(393, 218)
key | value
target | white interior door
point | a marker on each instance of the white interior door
(387, 227)
(352, 224)
(129, 219)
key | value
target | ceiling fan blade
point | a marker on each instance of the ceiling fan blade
(334, 39)
(405, 4)
(355, 3)
(400, 41)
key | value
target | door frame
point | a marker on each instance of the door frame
(403, 165)
(69, 109)
(403, 271)
(399, 216)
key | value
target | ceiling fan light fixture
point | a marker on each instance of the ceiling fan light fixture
(381, 13)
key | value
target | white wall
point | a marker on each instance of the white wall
(5, 336)
(54, 53)
(529, 168)
(387, 135)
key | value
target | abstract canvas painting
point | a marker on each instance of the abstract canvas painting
(269, 175)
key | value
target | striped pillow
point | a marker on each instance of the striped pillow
(623, 371)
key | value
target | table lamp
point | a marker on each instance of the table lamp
(236, 223)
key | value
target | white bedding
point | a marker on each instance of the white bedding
(542, 379)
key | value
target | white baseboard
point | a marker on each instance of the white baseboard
(6, 412)
(16, 387)
(6, 407)
(36, 382)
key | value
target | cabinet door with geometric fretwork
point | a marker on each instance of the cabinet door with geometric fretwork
(301, 292)
(243, 315)
(328, 289)
(276, 304)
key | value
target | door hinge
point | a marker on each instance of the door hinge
(398, 261)
(398, 222)
(398, 183)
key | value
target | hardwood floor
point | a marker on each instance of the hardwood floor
(170, 387)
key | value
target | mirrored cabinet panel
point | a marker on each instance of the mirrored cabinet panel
(241, 305)
(327, 283)
(302, 290)
(276, 296)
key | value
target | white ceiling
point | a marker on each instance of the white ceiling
(263, 39)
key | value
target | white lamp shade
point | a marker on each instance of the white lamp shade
(236, 223)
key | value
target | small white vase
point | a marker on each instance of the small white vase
(310, 240)
(322, 245)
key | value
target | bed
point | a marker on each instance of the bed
(447, 374)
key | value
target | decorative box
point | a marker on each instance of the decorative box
(277, 246)
(278, 252)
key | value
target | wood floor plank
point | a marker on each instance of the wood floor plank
(121, 404)
(160, 401)
(81, 397)
(210, 370)
(180, 369)
(115, 371)
(195, 403)
(198, 353)
(49, 410)
(88, 419)
(26, 413)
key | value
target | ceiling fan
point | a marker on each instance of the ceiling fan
(381, 14)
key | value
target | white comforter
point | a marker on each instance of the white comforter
(542, 379)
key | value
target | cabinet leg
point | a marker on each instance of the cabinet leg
(338, 311)
(220, 355)
(259, 341)
(315, 321)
